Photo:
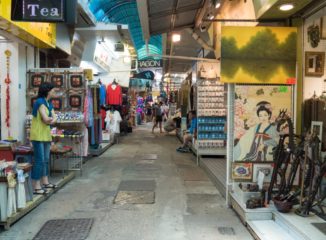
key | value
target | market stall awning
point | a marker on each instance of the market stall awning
(125, 12)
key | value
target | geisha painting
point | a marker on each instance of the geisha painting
(256, 108)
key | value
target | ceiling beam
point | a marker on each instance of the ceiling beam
(177, 11)
(178, 28)
(143, 17)
(174, 16)
(201, 13)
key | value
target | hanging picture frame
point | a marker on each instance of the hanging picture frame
(314, 64)
(58, 80)
(266, 168)
(317, 128)
(76, 81)
(36, 79)
(323, 27)
(241, 171)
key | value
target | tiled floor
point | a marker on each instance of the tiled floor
(187, 205)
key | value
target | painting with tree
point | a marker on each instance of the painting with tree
(258, 55)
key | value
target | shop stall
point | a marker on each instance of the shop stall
(273, 173)
(211, 111)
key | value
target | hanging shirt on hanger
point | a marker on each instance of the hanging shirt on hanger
(115, 122)
(102, 94)
(113, 94)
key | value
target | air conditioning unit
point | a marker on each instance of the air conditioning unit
(119, 47)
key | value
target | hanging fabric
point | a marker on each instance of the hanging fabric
(113, 94)
(8, 81)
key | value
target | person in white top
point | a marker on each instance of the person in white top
(165, 111)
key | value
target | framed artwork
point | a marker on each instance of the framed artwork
(323, 27)
(58, 80)
(57, 103)
(317, 128)
(267, 169)
(256, 109)
(207, 70)
(76, 101)
(314, 65)
(273, 63)
(241, 171)
(76, 81)
(36, 79)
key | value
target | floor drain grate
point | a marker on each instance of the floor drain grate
(148, 157)
(134, 197)
(226, 231)
(137, 185)
(320, 226)
(65, 229)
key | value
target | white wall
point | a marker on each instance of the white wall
(21, 59)
(119, 70)
(314, 84)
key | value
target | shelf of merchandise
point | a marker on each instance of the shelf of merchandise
(37, 200)
(211, 118)
(70, 122)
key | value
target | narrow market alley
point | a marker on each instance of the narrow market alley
(175, 199)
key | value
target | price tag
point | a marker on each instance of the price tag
(291, 81)
(260, 179)
(283, 89)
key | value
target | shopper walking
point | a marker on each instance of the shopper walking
(43, 117)
(157, 114)
(148, 112)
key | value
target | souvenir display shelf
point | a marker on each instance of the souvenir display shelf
(211, 117)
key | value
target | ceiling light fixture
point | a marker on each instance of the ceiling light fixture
(217, 5)
(210, 16)
(176, 37)
(286, 7)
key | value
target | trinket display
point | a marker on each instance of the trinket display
(70, 116)
(211, 114)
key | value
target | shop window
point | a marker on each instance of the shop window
(42, 60)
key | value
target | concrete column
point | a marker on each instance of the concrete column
(22, 58)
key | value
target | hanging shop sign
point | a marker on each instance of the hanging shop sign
(145, 75)
(259, 55)
(41, 35)
(38, 11)
(150, 63)
(102, 58)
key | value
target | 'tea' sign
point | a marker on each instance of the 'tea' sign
(39, 10)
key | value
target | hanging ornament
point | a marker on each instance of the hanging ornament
(7, 81)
